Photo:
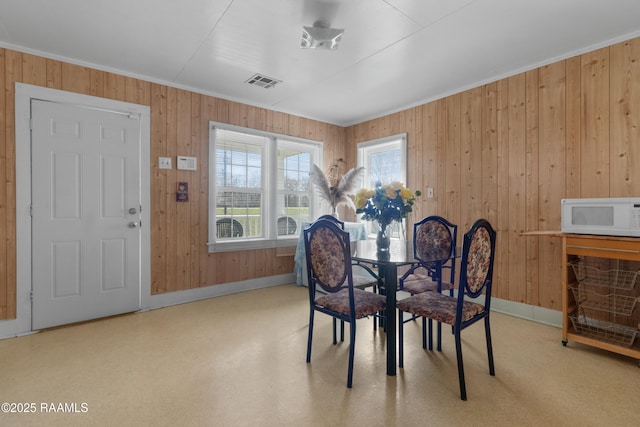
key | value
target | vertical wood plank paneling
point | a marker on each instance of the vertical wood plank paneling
(489, 153)
(414, 168)
(115, 88)
(97, 83)
(407, 123)
(279, 121)
(595, 162)
(552, 116)
(489, 165)
(419, 170)
(179, 123)
(34, 70)
(207, 109)
(501, 268)
(502, 150)
(171, 213)
(54, 74)
(222, 111)
(137, 91)
(197, 233)
(429, 162)
(248, 114)
(14, 63)
(260, 263)
(158, 184)
(470, 159)
(625, 118)
(532, 177)
(451, 167)
(5, 268)
(517, 189)
(440, 191)
(76, 78)
(294, 126)
(574, 128)
(183, 209)
(536, 144)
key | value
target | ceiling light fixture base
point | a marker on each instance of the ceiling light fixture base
(320, 36)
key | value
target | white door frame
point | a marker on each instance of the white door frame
(24, 93)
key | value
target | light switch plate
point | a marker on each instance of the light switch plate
(430, 192)
(164, 162)
(187, 163)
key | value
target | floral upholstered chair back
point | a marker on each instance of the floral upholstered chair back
(434, 238)
(480, 244)
(328, 256)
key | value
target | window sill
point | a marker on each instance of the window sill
(247, 245)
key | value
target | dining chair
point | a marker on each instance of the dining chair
(329, 269)
(473, 302)
(369, 277)
(434, 238)
(363, 276)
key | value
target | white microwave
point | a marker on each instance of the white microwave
(612, 217)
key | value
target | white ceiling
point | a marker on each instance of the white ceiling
(394, 53)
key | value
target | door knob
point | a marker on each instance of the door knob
(133, 224)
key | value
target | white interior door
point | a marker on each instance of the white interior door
(86, 238)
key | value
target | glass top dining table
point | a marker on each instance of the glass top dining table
(400, 254)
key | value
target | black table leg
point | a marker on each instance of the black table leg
(390, 284)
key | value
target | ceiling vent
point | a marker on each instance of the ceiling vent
(320, 36)
(263, 81)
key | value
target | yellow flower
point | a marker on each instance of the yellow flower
(390, 191)
(396, 185)
(406, 194)
(361, 198)
(382, 203)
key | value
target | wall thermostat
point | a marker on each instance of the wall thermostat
(187, 163)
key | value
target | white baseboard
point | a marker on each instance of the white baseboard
(528, 312)
(13, 328)
(181, 297)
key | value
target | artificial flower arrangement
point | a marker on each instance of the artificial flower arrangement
(385, 203)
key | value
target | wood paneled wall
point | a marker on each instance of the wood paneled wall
(179, 125)
(507, 151)
(510, 150)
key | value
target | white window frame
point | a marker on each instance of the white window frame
(270, 212)
(365, 149)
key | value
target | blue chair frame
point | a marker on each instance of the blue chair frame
(433, 237)
(328, 254)
(473, 302)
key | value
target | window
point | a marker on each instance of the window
(384, 161)
(260, 191)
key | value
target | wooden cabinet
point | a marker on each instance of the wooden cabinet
(601, 291)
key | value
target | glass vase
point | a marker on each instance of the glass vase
(334, 212)
(383, 241)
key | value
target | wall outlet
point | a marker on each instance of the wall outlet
(164, 162)
(430, 192)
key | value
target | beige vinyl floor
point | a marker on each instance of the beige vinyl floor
(239, 360)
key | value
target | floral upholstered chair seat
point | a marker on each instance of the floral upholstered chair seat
(473, 302)
(439, 307)
(366, 303)
(434, 240)
(417, 283)
(329, 268)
